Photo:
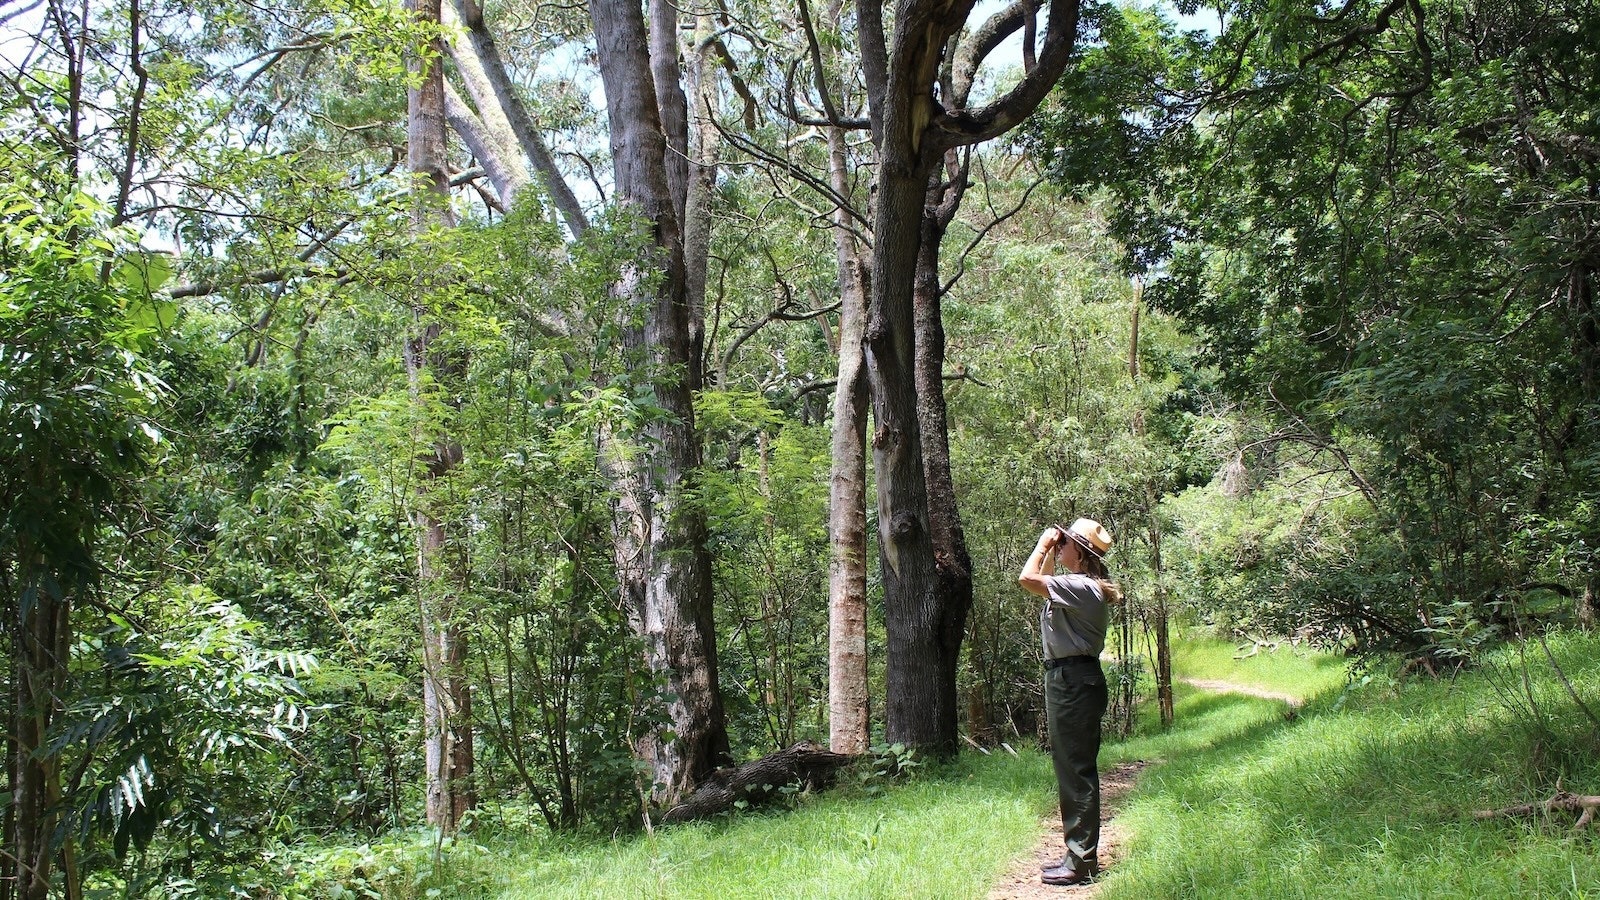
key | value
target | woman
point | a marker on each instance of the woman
(1074, 621)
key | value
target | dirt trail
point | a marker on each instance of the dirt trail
(1233, 687)
(1021, 881)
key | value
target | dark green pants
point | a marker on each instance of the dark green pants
(1075, 700)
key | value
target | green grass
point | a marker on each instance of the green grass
(947, 833)
(1203, 721)
(1297, 671)
(1366, 792)
(1369, 794)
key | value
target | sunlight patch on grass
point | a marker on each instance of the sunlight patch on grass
(1300, 671)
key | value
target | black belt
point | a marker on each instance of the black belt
(1072, 661)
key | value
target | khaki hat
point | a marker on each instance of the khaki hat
(1091, 534)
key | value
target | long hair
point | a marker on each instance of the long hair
(1094, 566)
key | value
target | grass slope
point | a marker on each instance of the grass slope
(1368, 793)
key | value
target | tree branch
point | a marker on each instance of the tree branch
(982, 42)
(960, 126)
(516, 112)
(474, 133)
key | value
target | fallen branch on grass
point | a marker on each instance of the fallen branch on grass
(805, 764)
(1561, 801)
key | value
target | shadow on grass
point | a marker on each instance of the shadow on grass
(1369, 799)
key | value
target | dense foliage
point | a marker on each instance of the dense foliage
(1351, 394)
(1380, 223)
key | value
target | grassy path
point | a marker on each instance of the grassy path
(1021, 880)
(1250, 690)
(1367, 790)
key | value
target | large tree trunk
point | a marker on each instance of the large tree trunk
(662, 562)
(952, 587)
(920, 706)
(848, 700)
(446, 701)
(914, 121)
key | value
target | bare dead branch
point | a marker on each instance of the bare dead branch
(961, 261)
(1561, 801)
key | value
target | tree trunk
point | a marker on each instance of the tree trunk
(1162, 627)
(663, 566)
(672, 105)
(1159, 615)
(447, 728)
(952, 589)
(704, 147)
(920, 709)
(40, 644)
(914, 121)
(849, 708)
(446, 695)
(484, 57)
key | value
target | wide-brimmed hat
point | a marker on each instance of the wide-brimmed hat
(1091, 534)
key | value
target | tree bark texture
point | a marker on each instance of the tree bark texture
(952, 587)
(915, 706)
(704, 149)
(502, 165)
(663, 566)
(912, 130)
(446, 694)
(672, 104)
(849, 706)
(41, 641)
(446, 699)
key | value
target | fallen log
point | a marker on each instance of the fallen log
(1561, 801)
(806, 765)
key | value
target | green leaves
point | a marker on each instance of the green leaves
(1376, 221)
(195, 704)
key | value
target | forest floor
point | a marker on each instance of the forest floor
(1021, 880)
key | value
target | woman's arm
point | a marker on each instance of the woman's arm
(1040, 565)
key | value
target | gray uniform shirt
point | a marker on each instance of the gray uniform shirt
(1074, 617)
